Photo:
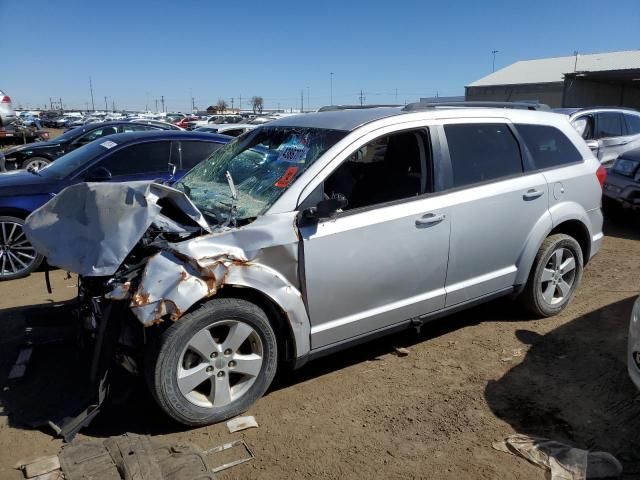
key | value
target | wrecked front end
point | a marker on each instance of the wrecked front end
(145, 255)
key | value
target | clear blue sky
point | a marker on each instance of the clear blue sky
(141, 49)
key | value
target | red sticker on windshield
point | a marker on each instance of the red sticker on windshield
(286, 179)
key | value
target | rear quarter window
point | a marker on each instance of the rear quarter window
(548, 146)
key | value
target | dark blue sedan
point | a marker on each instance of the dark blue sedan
(165, 155)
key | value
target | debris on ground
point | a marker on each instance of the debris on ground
(514, 353)
(563, 461)
(132, 457)
(241, 423)
(20, 367)
(39, 467)
(401, 351)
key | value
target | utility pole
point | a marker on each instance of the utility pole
(301, 101)
(240, 103)
(278, 106)
(156, 106)
(193, 104)
(106, 107)
(331, 80)
(308, 99)
(61, 103)
(113, 106)
(50, 104)
(231, 103)
(493, 62)
(361, 98)
(396, 95)
(91, 90)
(162, 101)
(575, 64)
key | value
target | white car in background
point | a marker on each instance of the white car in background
(7, 113)
(608, 131)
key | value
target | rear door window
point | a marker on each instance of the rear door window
(482, 152)
(150, 157)
(548, 146)
(609, 124)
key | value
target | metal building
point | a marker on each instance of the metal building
(611, 79)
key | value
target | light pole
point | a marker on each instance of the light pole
(106, 109)
(308, 103)
(493, 62)
(331, 80)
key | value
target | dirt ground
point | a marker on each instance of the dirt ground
(470, 379)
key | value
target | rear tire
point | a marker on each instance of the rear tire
(18, 258)
(554, 277)
(213, 363)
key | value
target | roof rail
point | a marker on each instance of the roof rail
(473, 104)
(333, 108)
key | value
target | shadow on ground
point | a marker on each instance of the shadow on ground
(573, 386)
(54, 384)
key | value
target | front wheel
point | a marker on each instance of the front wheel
(213, 363)
(35, 163)
(18, 258)
(555, 275)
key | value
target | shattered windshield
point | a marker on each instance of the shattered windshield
(262, 164)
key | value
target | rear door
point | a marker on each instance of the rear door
(494, 205)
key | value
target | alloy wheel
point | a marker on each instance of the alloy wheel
(16, 253)
(558, 276)
(36, 164)
(220, 363)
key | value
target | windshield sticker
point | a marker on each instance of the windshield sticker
(109, 144)
(293, 154)
(287, 178)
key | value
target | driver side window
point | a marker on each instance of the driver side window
(150, 157)
(392, 167)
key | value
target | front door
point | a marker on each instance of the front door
(383, 260)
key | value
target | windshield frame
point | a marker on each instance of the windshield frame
(90, 159)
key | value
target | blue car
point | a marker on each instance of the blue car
(163, 155)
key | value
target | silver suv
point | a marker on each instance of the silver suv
(315, 232)
(608, 131)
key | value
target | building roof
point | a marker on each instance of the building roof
(549, 70)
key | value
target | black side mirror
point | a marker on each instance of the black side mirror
(327, 208)
(98, 174)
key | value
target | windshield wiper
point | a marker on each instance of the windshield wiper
(231, 218)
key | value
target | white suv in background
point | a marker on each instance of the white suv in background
(608, 131)
(7, 114)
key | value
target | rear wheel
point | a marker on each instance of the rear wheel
(213, 363)
(18, 258)
(35, 163)
(555, 275)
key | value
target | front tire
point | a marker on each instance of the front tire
(35, 163)
(18, 258)
(556, 273)
(213, 363)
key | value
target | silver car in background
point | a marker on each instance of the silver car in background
(7, 114)
(315, 232)
(608, 131)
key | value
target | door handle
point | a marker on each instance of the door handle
(430, 219)
(532, 194)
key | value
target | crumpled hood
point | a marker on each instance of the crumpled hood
(90, 228)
